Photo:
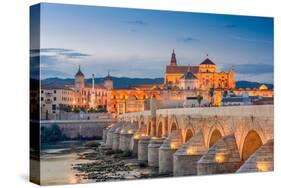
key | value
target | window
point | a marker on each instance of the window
(53, 107)
(55, 91)
(55, 98)
(42, 91)
(42, 98)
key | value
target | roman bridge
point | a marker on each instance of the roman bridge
(198, 141)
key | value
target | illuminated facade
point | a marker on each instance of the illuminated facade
(181, 83)
(262, 91)
(130, 100)
(79, 95)
(203, 77)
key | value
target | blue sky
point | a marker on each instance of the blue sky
(138, 43)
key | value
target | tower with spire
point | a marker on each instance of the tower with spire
(108, 82)
(173, 59)
(79, 80)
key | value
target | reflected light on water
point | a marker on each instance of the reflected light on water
(72, 179)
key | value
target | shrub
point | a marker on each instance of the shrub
(51, 134)
(93, 144)
(127, 153)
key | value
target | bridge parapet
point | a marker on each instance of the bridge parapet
(233, 111)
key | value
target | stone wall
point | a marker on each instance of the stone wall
(83, 128)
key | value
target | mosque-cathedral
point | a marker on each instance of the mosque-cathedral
(182, 86)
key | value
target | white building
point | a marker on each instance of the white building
(236, 100)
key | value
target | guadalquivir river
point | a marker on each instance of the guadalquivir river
(57, 160)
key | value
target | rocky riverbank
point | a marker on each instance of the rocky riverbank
(106, 165)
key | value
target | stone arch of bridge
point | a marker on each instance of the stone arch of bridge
(162, 127)
(215, 134)
(173, 124)
(188, 135)
(246, 127)
(141, 122)
(189, 131)
(251, 144)
(151, 128)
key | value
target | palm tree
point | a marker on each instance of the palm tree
(199, 99)
(211, 93)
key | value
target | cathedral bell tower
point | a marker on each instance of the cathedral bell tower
(79, 80)
(173, 59)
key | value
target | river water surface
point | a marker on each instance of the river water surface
(57, 160)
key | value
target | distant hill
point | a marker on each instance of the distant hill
(124, 82)
(247, 84)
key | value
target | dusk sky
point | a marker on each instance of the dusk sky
(139, 43)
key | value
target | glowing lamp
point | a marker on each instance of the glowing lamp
(173, 145)
(220, 158)
(190, 151)
(262, 166)
(137, 136)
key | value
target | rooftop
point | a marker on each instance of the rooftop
(207, 61)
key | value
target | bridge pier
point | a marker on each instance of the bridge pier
(143, 148)
(134, 144)
(166, 151)
(222, 157)
(109, 135)
(116, 138)
(104, 133)
(126, 136)
(261, 161)
(186, 158)
(153, 151)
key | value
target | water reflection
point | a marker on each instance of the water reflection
(57, 160)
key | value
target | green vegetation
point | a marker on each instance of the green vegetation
(126, 153)
(51, 134)
(93, 144)
(99, 109)
(199, 99)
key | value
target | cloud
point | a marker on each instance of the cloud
(55, 50)
(187, 39)
(53, 56)
(56, 61)
(254, 69)
(137, 22)
(74, 54)
(54, 73)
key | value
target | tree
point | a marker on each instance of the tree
(76, 109)
(199, 99)
(211, 94)
(225, 93)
